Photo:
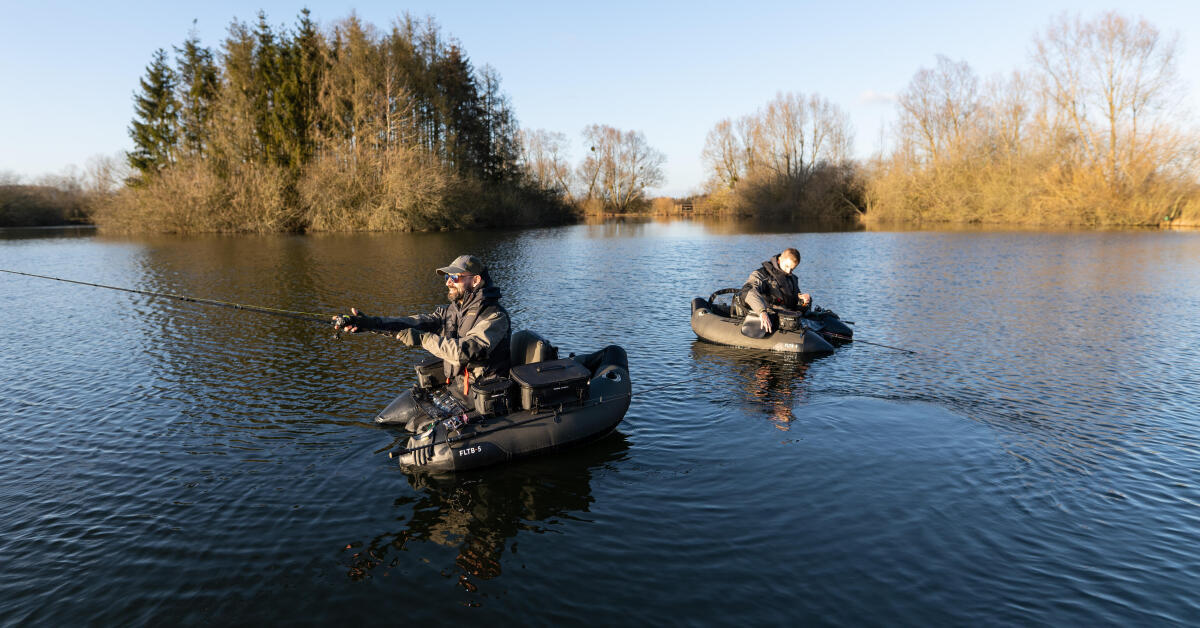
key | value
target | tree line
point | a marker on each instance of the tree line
(346, 128)
(1091, 133)
(350, 128)
(66, 198)
(613, 176)
(359, 129)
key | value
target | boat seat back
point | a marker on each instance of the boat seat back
(527, 347)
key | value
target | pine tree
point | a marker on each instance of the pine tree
(268, 77)
(236, 128)
(304, 70)
(430, 49)
(465, 136)
(198, 83)
(408, 68)
(155, 127)
(500, 124)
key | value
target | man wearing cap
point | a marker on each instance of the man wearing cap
(470, 334)
(774, 285)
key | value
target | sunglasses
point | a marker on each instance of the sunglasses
(456, 276)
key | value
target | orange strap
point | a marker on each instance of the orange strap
(466, 381)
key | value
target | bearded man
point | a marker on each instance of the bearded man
(471, 334)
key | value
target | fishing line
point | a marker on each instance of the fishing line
(304, 316)
(865, 342)
(654, 388)
(180, 297)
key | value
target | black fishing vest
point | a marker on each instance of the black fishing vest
(458, 323)
(782, 288)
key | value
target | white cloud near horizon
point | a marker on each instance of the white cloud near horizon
(872, 97)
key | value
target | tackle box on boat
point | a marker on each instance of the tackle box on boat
(429, 373)
(491, 397)
(550, 383)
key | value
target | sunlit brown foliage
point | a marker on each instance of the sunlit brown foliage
(349, 130)
(189, 197)
(1089, 136)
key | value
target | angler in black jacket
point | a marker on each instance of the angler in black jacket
(471, 334)
(773, 285)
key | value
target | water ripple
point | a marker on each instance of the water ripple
(1031, 463)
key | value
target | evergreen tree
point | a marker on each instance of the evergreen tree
(503, 146)
(465, 136)
(304, 70)
(270, 125)
(409, 74)
(155, 127)
(236, 129)
(198, 84)
(429, 47)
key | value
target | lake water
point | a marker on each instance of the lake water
(1034, 462)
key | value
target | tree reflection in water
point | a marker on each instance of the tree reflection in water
(479, 512)
(767, 380)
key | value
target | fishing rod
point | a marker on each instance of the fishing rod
(304, 316)
(752, 328)
(866, 342)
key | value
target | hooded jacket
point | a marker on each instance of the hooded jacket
(768, 286)
(473, 333)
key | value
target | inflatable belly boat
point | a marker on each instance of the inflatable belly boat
(545, 404)
(815, 331)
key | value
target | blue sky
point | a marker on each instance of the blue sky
(68, 70)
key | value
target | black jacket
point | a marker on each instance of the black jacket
(472, 334)
(768, 286)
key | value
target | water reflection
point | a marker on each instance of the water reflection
(769, 384)
(755, 225)
(640, 225)
(46, 233)
(625, 226)
(478, 513)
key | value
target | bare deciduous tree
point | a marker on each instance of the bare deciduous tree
(1112, 82)
(544, 159)
(1005, 113)
(618, 167)
(788, 139)
(937, 109)
(723, 155)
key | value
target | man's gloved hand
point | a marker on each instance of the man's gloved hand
(411, 337)
(353, 322)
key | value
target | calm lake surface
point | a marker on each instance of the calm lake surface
(1035, 462)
